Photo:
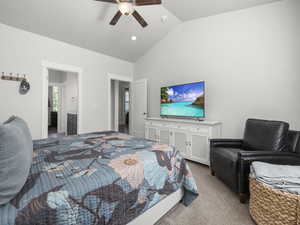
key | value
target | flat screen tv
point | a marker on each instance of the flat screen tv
(186, 100)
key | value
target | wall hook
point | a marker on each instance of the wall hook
(11, 77)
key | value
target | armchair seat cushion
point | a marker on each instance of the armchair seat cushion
(226, 165)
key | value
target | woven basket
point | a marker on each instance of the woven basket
(273, 207)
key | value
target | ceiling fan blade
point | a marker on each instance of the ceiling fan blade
(139, 18)
(116, 18)
(147, 2)
(110, 1)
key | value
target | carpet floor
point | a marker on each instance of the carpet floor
(216, 204)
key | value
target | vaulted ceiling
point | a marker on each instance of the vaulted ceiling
(202, 8)
(85, 23)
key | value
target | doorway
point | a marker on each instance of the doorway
(61, 98)
(62, 103)
(119, 103)
(124, 107)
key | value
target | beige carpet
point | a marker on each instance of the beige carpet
(216, 204)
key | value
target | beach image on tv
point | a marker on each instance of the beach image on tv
(183, 100)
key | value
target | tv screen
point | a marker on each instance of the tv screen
(186, 100)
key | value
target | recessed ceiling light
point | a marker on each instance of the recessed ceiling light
(133, 38)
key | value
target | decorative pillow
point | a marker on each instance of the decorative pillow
(15, 157)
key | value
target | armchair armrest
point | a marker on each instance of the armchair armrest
(230, 143)
(258, 154)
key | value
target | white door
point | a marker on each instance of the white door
(139, 102)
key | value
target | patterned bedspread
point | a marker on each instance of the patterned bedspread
(98, 178)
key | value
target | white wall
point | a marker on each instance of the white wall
(23, 52)
(248, 58)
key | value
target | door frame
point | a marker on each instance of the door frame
(46, 65)
(117, 77)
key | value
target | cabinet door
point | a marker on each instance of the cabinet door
(180, 142)
(199, 148)
(164, 136)
(152, 133)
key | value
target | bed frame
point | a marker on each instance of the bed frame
(151, 216)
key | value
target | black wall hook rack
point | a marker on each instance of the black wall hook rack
(12, 77)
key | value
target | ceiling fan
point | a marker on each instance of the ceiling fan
(127, 8)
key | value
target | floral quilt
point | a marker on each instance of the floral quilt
(99, 179)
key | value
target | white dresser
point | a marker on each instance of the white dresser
(190, 137)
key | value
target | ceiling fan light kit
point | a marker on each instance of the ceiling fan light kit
(127, 8)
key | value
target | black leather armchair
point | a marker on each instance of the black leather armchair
(266, 141)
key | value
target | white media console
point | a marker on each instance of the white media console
(190, 137)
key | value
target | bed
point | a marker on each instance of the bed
(104, 178)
